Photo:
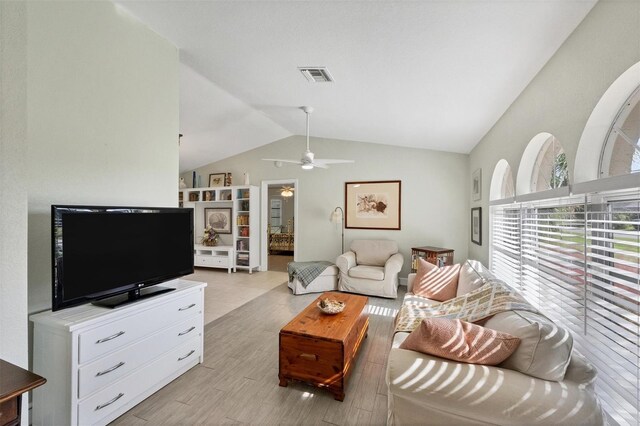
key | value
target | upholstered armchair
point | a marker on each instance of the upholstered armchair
(371, 267)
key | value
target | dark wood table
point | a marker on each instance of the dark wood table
(320, 349)
(14, 381)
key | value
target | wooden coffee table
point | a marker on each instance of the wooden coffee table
(320, 349)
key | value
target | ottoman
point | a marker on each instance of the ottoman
(327, 281)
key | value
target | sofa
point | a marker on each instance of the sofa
(424, 389)
(370, 267)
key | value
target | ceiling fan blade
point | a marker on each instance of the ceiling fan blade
(282, 161)
(319, 165)
(331, 161)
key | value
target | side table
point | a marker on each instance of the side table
(14, 381)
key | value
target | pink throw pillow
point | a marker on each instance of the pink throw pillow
(461, 341)
(435, 283)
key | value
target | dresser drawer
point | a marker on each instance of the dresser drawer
(114, 335)
(109, 368)
(212, 261)
(101, 404)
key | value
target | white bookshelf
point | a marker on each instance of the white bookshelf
(244, 238)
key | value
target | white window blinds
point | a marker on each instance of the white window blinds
(577, 260)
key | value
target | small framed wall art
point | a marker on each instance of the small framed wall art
(476, 225)
(373, 204)
(219, 219)
(476, 185)
(217, 179)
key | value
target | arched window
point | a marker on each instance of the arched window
(543, 166)
(609, 143)
(550, 170)
(621, 151)
(502, 182)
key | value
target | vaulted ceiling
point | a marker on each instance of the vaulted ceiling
(431, 74)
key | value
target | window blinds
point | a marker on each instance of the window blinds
(576, 259)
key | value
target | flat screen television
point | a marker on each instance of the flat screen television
(110, 255)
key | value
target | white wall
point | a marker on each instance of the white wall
(435, 192)
(561, 97)
(103, 119)
(13, 189)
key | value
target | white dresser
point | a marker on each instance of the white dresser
(101, 362)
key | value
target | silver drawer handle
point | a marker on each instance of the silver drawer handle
(186, 331)
(187, 355)
(109, 370)
(106, 339)
(106, 404)
(187, 307)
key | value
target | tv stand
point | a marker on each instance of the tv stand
(131, 296)
(99, 362)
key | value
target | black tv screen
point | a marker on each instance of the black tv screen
(105, 251)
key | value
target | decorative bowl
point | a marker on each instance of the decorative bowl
(331, 307)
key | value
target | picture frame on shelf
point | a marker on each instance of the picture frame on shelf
(217, 179)
(476, 185)
(476, 225)
(218, 218)
(373, 204)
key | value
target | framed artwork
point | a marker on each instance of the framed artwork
(372, 205)
(476, 185)
(476, 225)
(217, 179)
(218, 218)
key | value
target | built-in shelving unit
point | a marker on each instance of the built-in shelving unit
(243, 237)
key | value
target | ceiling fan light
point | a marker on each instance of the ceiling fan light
(307, 166)
(286, 193)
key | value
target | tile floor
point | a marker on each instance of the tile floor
(226, 292)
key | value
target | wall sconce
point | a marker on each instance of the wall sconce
(337, 216)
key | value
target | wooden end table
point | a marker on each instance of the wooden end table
(320, 349)
(14, 381)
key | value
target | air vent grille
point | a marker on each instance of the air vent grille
(316, 74)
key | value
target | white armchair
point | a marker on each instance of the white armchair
(371, 267)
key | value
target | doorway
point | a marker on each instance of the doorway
(279, 225)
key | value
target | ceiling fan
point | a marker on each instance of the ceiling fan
(308, 160)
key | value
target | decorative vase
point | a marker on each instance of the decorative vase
(182, 184)
(246, 178)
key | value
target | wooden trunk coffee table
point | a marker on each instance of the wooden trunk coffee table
(318, 348)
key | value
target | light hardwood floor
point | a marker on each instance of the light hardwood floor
(238, 380)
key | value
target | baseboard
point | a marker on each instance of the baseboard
(402, 281)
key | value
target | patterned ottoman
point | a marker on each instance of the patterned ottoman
(312, 277)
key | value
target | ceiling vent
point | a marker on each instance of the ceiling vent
(316, 74)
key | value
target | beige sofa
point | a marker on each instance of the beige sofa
(423, 389)
(371, 267)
